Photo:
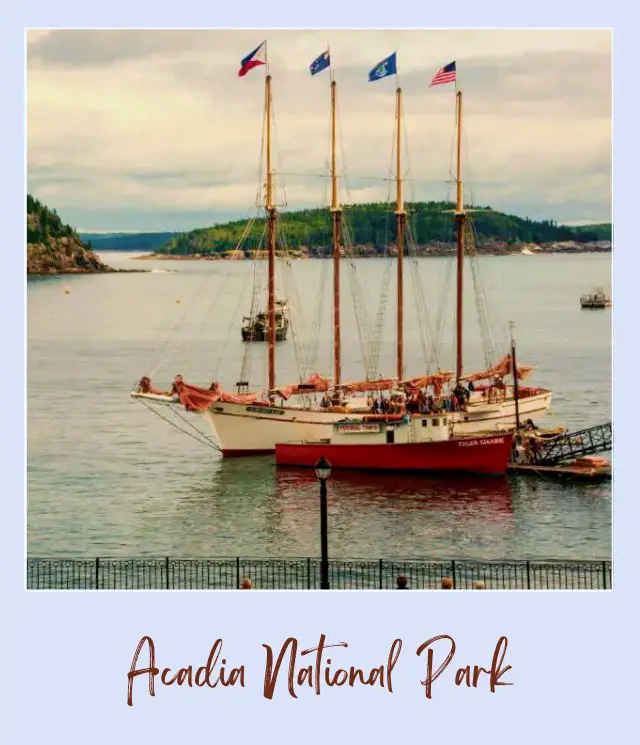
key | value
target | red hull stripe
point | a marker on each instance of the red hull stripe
(489, 454)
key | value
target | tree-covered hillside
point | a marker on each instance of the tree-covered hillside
(53, 247)
(373, 225)
(128, 241)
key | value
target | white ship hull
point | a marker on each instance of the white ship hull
(250, 430)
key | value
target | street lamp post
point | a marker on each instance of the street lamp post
(323, 471)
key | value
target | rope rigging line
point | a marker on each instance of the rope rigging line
(278, 157)
(359, 305)
(296, 316)
(443, 297)
(296, 319)
(213, 300)
(202, 438)
(186, 308)
(482, 302)
(256, 266)
(424, 324)
(386, 278)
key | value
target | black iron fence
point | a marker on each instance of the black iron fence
(304, 574)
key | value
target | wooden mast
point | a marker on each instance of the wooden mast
(271, 240)
(400, 220)
(460, 225)
(514, 366)
(336, 234)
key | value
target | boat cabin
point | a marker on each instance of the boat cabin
(381, 429)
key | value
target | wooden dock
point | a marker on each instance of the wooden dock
(567, 472)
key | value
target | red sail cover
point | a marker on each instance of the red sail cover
(437, 380)
(194, 398)
(500, 370)
(314, 383)
(360, 386)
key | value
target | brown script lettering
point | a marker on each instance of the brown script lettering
(202, 677)
(311, 675)
(464, 675)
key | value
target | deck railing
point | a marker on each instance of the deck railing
(169, 573)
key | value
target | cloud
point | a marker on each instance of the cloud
(158, 121)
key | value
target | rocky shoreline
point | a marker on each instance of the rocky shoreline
(433, 249)
(55, 248)
(67, 256)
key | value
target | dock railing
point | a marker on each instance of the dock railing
(169, 573)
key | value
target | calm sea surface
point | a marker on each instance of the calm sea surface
(108, 478)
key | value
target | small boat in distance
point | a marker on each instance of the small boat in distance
(595, 299)
(388, 442)
(257, 328)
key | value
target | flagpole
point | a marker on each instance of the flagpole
(460, 226)
(271, 240)
(400, 222)
(336, 234)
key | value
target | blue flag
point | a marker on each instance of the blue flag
(319, 64)
(384, 68)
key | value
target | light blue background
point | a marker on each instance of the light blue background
(65, 656)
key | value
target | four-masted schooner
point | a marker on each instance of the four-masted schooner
(252, 423)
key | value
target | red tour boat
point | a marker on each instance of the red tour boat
(402, 443)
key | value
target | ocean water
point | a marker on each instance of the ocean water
(107, 477)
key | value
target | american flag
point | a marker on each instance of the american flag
(446, 74)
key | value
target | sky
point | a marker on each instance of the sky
(153, 130)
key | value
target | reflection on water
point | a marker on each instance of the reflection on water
(106, 478)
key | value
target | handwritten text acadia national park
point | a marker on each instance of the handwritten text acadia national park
(313, 668)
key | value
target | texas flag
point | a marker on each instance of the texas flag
(257, 57)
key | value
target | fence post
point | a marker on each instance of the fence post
(166, 571)
(604, 575)
(97, 573)
(308, 572)
(237, 572)
(380, 566)
(453, 573)
(528, 574)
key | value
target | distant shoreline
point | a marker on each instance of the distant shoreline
(433, 253)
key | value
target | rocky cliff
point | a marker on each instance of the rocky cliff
(56, 248)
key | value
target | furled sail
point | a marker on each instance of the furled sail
(500, 370)
(313, 384)
(360, 386)
(437, 380)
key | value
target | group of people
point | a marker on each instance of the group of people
(386, 405)
(422, 402)
(524, 447)
(402, 583)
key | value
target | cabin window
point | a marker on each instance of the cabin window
(436, 422)
(390, 436)
(424, 422)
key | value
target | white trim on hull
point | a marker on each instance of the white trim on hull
(252, 430)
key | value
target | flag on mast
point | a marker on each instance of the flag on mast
(320, 63)
(446, 74)
(384, 68)
(255, 58)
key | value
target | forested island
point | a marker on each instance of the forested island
(56, 248)
(371, 232)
